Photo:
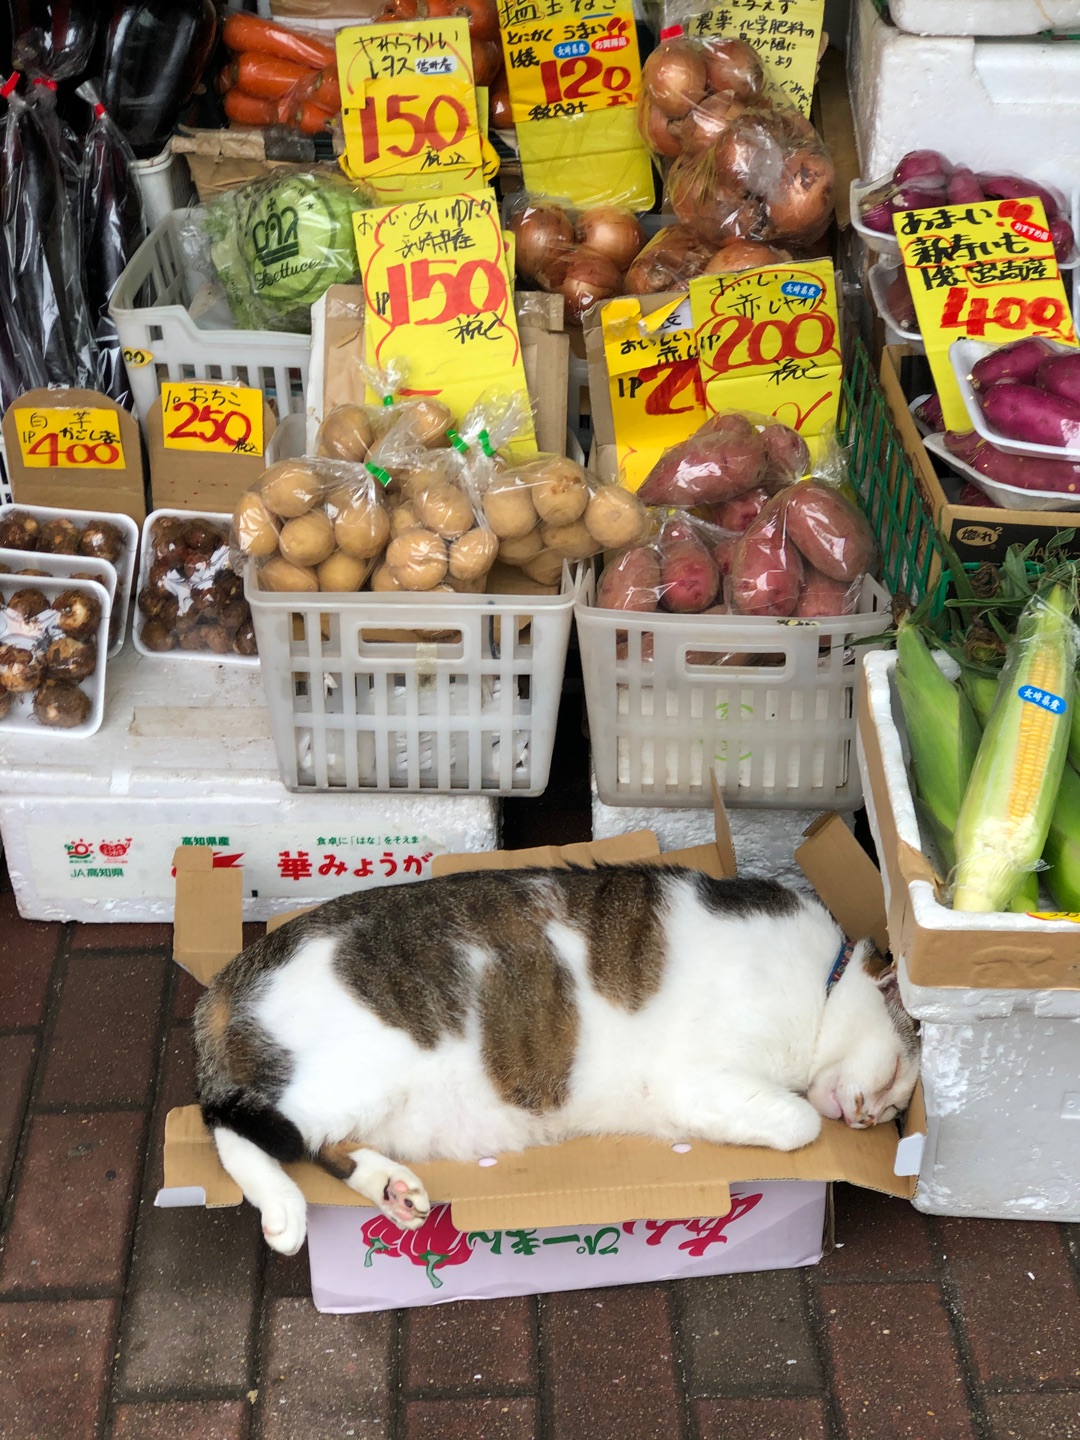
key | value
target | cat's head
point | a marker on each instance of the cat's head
(866, 1060)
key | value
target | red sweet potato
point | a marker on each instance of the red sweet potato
(689, 578)
(1019, 361)
(766, 569)
(829, 532)
(920, 164)
(964, 444)
(706, 469)
(1060, 375)
(821, 596)
(973, 496)
(963, 187)
(787, 455)
(930, 415)
(632, 582)
(1024, 412)
(1026, 472)
(735, 515)
(899, 303)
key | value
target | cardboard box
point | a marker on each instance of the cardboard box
(185, 480)
(221, 160)
(582, 1184)
(976, 533)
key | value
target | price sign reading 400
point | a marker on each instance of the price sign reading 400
(569, 60)
(212, 418)
(70, 439)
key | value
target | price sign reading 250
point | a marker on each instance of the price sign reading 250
(215, 419)
(475, 287)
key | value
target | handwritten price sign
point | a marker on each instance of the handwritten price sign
(212, 418)
(408, 103)
(654, 382)
(769, 341)
(69, 439)
(788, 43)
(985, 270)
(439, 295)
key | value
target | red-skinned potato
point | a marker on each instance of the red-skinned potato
(787, 454)
(738, 514)
(820, 596)
(632, 582)
(689, 578)
(705, 470)
(828, 531)
(766, 570)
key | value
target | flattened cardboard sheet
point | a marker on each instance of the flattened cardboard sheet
(184, 480)
(208, 929)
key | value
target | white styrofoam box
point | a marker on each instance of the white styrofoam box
(1000, 1068)
(985, 17)
(151, 317)
(764, 840)
(996, 105)
(165, 184)
(361, 1262)
(20, 721)
(778, 735)
(90, 830)
(120, 596)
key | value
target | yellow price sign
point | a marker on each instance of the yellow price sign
(438, 294)
(654, 382)
(769, 342)
(789, 43)
(212, 417)
(138, 359)
(409, 104)
(69, 439)
(987, 271)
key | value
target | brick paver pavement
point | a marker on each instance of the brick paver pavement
(122, 1322)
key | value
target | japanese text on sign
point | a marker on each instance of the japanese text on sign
(985, 270)
(211, 417)
(769, 341)
(569, 61)
(785, 33)
(408, 102)
(70, 439)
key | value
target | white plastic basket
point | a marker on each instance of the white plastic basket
(780, 734)
(152, 319)
(413, 692)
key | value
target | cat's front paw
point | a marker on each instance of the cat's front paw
(404, 1199)
(284, 1223)
(800, 1125)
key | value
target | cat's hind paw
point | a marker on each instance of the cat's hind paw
(404, 1199)
(284, 1223)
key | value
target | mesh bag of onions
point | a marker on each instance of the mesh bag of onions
(738, 166)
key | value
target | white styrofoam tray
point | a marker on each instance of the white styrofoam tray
(20, 718)
(137, 619)
(19, 561)
(879, 279)
(964, 355)
(1009, 497)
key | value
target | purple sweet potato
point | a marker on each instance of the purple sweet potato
(1024, 412)
(921, 194)
(929, 414)
(689, 578)
(921, 164)
(878, 217)
(1019, 361)
(963, 187)
(1061, 232)
(976, 498)
(1027, 472)
(964, 444)
(1017, 187)
(706, 469)
(632, 582)
(1060, 375)
(899, 302)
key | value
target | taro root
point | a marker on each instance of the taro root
(215, 637)
(21, 670)
(68, 659)
(19, 532)
(61, 705)
(156, 635)
(27, 603)
(6, 702)
(167, 540)
(244, 640)
(38, 574)
(102, 540)
(78, 615)
(59, 537)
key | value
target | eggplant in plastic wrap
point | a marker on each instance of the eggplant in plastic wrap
(54, 39)
(42, 242)
(112, 228)
(155, 54)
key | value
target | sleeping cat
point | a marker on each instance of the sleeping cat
(491, 1011)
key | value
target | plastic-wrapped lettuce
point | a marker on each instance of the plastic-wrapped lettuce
(277, 245)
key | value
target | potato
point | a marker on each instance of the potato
(473, 554)
(345, 434)
(444, 509)
(821, 596)
(279, 574)
(418, 559)
(256, 532)
(616, 518)
(342, 572)
(766, 570)
(707, 468)
(737, 515)
(307, 540)
(571, 541)
(546, 569)
(830, 533)
(560, 490)
(429, 422)
(382, 580)
(689, 578)
(430, 470)
(466, 587)
(787, 456)
(509, 510)
(521, 550)
(290, 488)
(632, 582)
(363, 528)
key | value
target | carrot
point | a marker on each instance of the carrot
(327, 89)
(268, 78)
(310, 119)
(242, 31)
(248, 109)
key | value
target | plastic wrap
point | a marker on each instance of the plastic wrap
(111, 229)
(582, 255)
(279, 76)
(50, 655)
(731, 454)
(154, 55)
(192, 598)
(54, 39)
(740, 167)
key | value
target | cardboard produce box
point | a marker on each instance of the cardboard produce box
(977, 533)
(609, 1196)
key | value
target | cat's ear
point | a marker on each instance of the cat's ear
(888, 982)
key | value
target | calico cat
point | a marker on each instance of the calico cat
(491, 1011)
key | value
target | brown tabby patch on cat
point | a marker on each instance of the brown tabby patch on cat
(626, 946)
(528, 1023)
(338, 1159)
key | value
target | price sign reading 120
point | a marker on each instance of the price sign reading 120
(211, 417)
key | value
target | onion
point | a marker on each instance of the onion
(708, 121)
(744, 255)
(701, 200)
(804, 201)
(611, 232)
(487, 60)
(589, 278)
(541, 232)
(656, 129)
(674, 76)
(921, 165)
(749, 157)
(502, 117)
(674, 256)
(733, 67)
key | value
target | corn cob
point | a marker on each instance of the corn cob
(943, 734)
(1062, 849)
(1027, 896)
(1009, 800)
(981, 690)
